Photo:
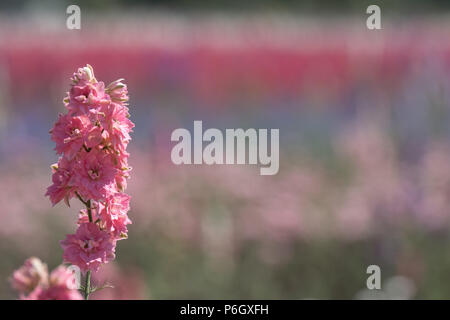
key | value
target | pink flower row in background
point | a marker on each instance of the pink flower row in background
(227, 63)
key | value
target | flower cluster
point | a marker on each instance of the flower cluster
(92, 139)
(33, 282)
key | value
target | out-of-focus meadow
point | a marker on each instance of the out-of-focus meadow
(364, 150)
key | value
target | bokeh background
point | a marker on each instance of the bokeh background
(364, 144)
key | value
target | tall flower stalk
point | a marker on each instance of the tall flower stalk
(91, 139)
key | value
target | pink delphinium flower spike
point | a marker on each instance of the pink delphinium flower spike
(92, 138)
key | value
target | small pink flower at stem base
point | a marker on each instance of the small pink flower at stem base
(59, 293)
(33, 283)
(61, 286)
(31, 275)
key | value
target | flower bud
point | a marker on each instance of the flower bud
(117, 91)
(85, 74)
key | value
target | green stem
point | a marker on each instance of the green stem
(81, 199)
(87, 286)
(88, 206)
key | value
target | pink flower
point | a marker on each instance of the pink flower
(114, 216)
(33, 283)
(34, 295)
(31, 275)
(62, 286)
(118, 91)
(85, 98)
(62, 276)
(111, 216)
(118, 126)
(61, 178)
(83, 75)
(94, 137)
(70, 133)
(95, 174)
(89, 247)
(123, 175)
(86, 93)
(59, 293)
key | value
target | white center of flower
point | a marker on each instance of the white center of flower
(75, 132)
(94, 174)
(88, 244)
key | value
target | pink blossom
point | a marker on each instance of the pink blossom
(117, 91)
(114, 215)
(94, 137)
(62, 276)
(83, 75)
(70, 133)
(86, 93)
(115, 121)
(123, 175)
(95, 174)
(61, 178)
(59, 293)
(31, 275)
(34, 295)
(33, 283)
(111, 216)
(85, 98)
(62, 286)
(89, 247)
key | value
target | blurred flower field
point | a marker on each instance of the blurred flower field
(364, 154)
